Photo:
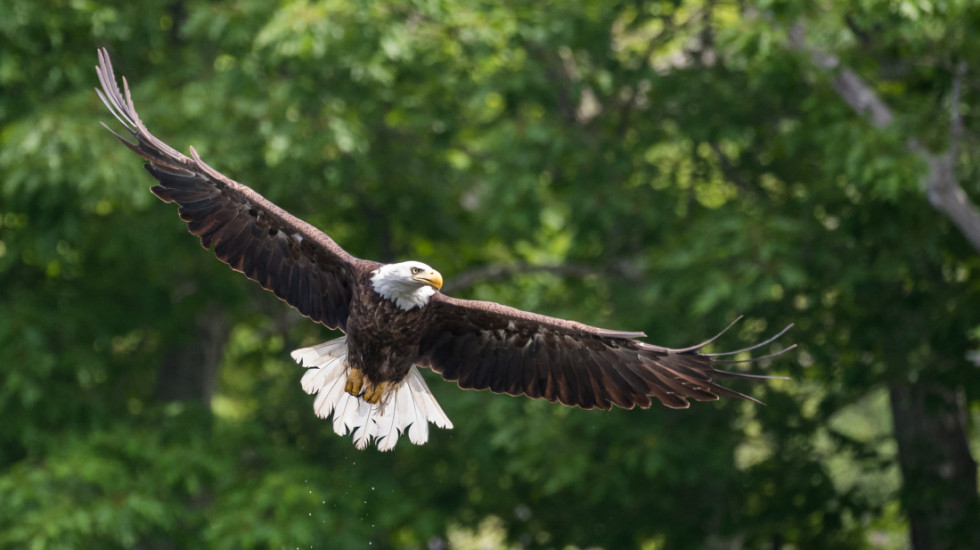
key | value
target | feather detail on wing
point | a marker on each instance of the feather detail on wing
(284, 254)
(483, 345)
(407, 409)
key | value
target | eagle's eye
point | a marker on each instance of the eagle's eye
(416, 270)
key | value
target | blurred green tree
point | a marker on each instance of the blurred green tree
(656, 166)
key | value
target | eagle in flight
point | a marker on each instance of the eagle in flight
(395, 320)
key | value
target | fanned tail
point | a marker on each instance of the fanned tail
(408, 408)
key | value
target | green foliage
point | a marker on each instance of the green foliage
(701, 167)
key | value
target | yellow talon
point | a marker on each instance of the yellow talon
(374, 393)
(355, 379)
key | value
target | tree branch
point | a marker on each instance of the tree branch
(561, 76)
(851, 87)
(728, 168)
(942, 189)
(496, 272)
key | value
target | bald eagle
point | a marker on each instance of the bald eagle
(395, 320)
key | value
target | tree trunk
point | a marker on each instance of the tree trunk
(189, 372)
(940, 476)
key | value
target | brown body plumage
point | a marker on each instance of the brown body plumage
(395, 319)
(382, 339)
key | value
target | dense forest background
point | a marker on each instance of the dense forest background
(662, 166)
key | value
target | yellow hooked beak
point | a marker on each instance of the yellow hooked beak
(431, 278)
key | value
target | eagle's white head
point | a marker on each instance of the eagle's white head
(408, 284)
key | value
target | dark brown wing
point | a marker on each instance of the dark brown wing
(483, 345)
(284, 254)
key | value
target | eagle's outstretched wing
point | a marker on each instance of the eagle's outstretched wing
(484, 345)
(284, 254)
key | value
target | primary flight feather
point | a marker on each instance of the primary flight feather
(395, 319)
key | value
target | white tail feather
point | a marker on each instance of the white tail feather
(409, 407)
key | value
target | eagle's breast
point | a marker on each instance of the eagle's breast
(382, 338)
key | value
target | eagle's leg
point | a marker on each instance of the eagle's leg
(374, 392)
(359, 385)
(355, 379)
